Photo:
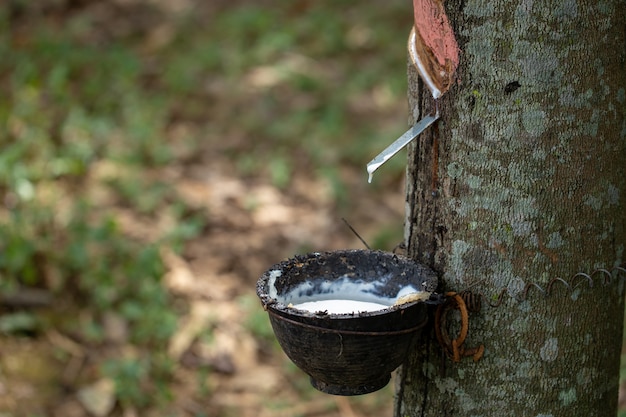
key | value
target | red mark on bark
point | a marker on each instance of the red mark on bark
(432, 45)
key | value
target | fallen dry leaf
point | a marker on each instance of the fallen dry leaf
(98, 398)
(197, 320)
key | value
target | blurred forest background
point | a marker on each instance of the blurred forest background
(156, 156)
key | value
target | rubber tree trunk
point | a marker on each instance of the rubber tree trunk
(523, 181)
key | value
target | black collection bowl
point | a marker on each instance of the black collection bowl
(351, 353)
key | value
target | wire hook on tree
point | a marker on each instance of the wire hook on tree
(454, 348)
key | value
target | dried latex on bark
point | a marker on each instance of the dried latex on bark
(432, 46)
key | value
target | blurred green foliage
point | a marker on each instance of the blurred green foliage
(68, 110)
(86, 122)
(318, 85)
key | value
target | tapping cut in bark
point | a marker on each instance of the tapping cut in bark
(432, 46)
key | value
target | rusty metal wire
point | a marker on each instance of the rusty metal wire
(474, 298)
(471, 301)
(454, 348)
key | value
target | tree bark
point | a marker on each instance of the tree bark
(522, 182)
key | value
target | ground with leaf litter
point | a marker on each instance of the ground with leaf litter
(263, 181)
(226, 361)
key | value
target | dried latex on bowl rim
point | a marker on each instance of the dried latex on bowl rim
(432, 46)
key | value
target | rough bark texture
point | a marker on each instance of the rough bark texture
(529, 186)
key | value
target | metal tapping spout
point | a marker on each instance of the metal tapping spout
(434, 52)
